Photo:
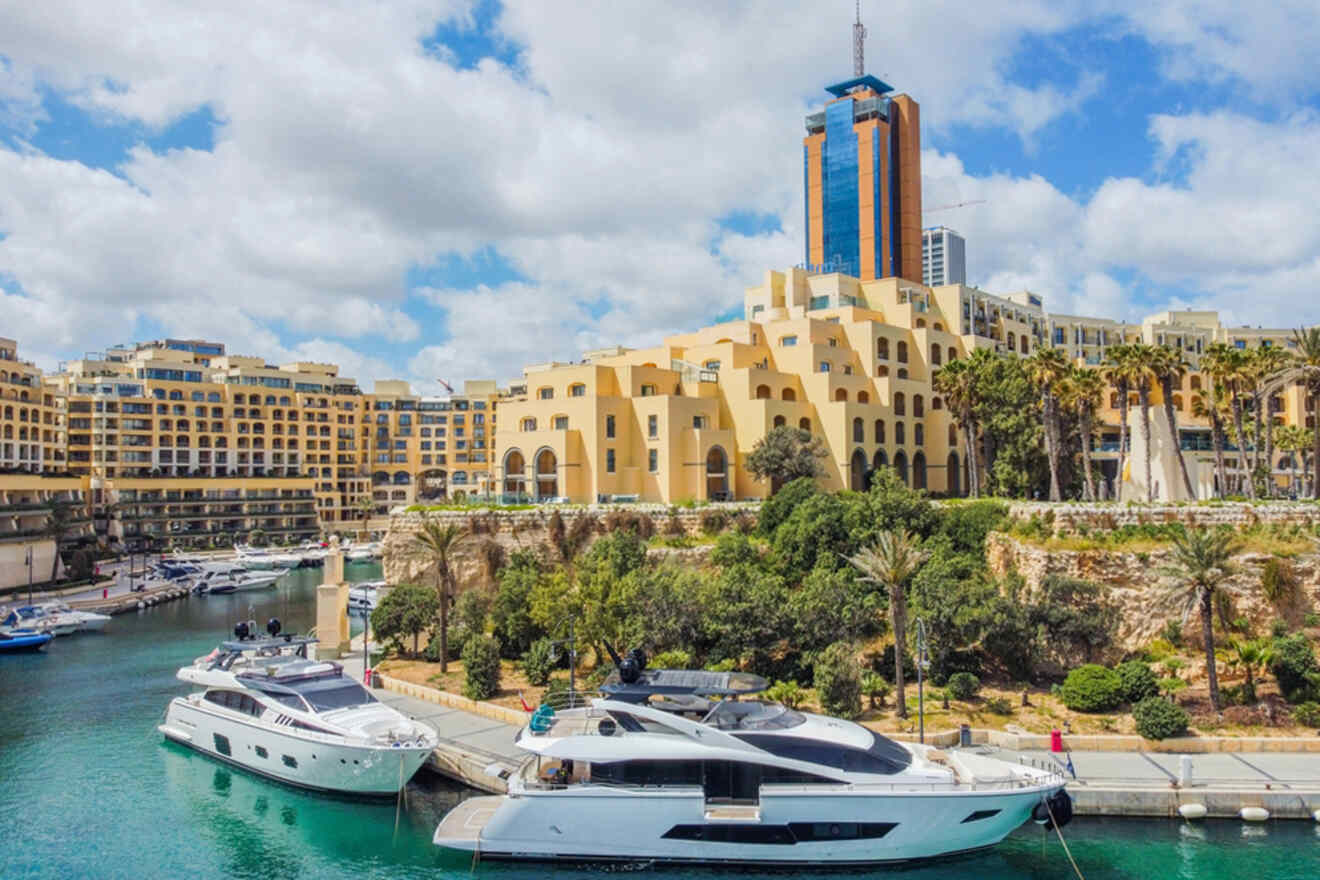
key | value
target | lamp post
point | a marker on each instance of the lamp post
(923, 663)
(29, 565)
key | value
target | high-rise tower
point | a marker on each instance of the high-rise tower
(862, 170)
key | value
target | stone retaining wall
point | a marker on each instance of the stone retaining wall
(1067, 517)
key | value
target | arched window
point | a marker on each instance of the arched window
(900, 404)
(882, 370)
(937, 403)
(804, 423)
(953, 354)
(528, 424)
(936, 358)
(841, 394)
(918, 405)
(717, 474)
(1195, 383)
(863, 397)
(545, 393)
(951, 475)
(857, 471)
(902, 372)
(937, 326)
(879, 430)
(919, 471)
(859, 431)
(902, 352)
(953, 436)
(762, 392)
(779, 421)
(547, 474)
(882, 349)
(921, 322)
(1012, 342)
(402, 478)
(900, 433)
(919, 434)
(788, 394)
(1178, 402)
(577, 389)
(515, 472)
(900, 465)
(879, 461)
(1026, 347)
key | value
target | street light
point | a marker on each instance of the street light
(923, 663)
(28, 560)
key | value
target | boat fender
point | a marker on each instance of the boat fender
(1192, 811)
(1254, 814)
(1056, 811)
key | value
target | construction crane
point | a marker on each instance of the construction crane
(956, 205)
(448, 387)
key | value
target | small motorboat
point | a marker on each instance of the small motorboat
(87, 621)
(236, 580)
(19, 640)
(36, 617)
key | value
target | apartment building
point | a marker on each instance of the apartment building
(31, 416)
(943, 257)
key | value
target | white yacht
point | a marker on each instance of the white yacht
(363, 596)
(264, 706)
(672, 765)
(235, 580)
(85, 621)
(40, 619)
(363, 552)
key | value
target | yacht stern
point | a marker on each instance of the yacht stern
(462, 826)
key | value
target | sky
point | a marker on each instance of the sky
(452, 189)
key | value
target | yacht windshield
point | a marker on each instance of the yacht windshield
(328, 694)
(735, 715)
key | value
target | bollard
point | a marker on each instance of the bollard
(1056, 740)
(105, 592)
(1184, 771)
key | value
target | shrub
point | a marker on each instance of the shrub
(671, 660)
(674, 525)
(776, 508)
(838, 681)
(963, 685)
(790, 693)
(1159, 719)
(1307, 714)
(538, 663)
(492, 556)
(1091, 688)
(876, 688)
(469, 615)
(713, 521)
(1278, 581)
(744, 522)
(1138, 681)
(728, 664)
(631, 521)
(999, 706)
(1295, 668)
(481, 666)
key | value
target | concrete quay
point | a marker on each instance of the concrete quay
(1145, 784)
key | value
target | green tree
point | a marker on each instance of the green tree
(1169, 368)
(435, 543)
(1082, 391)
(1305, 371)
(1268, 363)
(538, 662)
(786, 454)
(1251, 656)
(889, 564)
(1212, 405)
(956, 380)
(776, 508)
(1201, 563)
(1047, 368)
(481, 668)
(838, 681)
(365, 507)
(1122, 371)
(511, 619)
(406, 610)
(1006, 409)
(1294, 667)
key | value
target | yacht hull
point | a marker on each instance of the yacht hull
(301, 758)
(835, 828)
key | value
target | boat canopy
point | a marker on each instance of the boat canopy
(676, 682)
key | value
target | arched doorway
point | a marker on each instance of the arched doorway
(515, 472)
(717, 474)
(547, 474)
(857, 471)
(879, 461)
(951, 467)
(919, 471)
(900, 465)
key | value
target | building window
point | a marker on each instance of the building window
(900, 433)
(578, 390)
(545, 393)
(902, 352)
(648, 391)
(529, 424)
(919, 434)
(561, 423)
(609, 428)
(786, 341)
(699, 422)
(652, 426)
(653, 460)
(824, 366)
(609, 461)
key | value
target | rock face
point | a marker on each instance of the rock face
(1142, 592)
(502, 532)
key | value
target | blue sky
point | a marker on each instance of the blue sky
(452, 188)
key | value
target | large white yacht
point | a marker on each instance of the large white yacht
(674, 766)
(265, 706)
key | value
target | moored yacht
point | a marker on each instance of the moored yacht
(265, 706)
(678, 766)
(41, 619)
(85, 621)
(235, 580)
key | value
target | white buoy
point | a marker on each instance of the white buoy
(141, 605)
(1192, 811)
(1316, 815)
(1254, 814)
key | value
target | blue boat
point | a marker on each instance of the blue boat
(23, 640)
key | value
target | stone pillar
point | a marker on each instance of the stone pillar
(332, 608)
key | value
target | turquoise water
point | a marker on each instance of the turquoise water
(88, 788)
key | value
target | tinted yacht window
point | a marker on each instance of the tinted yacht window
(884, 756)
(336, 693)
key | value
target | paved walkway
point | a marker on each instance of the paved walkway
(1254, 770)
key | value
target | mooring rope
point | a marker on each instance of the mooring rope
(1059, 831)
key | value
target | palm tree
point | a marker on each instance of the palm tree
(1201, 562)
(1170, 367)
(1083, 391)
(1212, 406)
(1294, 440)
(1231, 364)
(1305, 371)
(890, 564)
(1267, 363)
(1047, 368)
(436, 544)
(366, 506)
(1251, 655)
(1122, 372)
(957, 382)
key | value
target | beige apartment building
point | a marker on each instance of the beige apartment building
(849, 360)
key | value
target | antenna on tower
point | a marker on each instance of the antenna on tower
(859, 43)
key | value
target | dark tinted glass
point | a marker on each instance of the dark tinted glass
(884, 756)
